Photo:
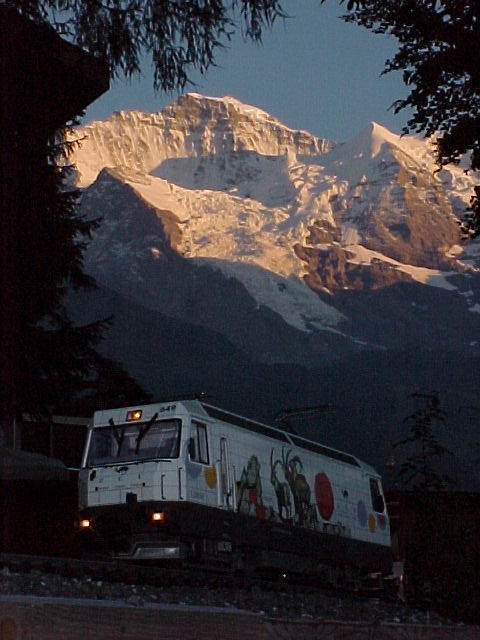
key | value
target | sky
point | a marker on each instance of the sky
(313, 72)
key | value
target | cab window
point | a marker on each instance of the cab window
(134, 442)
(199, 448)
(378, 503)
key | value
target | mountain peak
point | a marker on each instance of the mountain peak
(372, 140)
(225, 101)
(379, 130)
(194, 127)
(381, 135)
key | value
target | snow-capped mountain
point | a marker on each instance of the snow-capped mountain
(251, 260)
(297, 221)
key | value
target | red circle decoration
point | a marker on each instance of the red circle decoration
(324, 495)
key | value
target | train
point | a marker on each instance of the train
(185, 481)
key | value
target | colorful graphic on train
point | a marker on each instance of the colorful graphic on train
(305, 514)
(249, 489)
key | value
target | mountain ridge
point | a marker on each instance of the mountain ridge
(172, 132)
(293, 229)
(367, 397)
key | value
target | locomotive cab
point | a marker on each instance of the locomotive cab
(131, 471)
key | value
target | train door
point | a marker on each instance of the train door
(226, 480)
(199, 443)
(201, 484)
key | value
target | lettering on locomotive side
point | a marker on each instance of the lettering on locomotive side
(168, 407)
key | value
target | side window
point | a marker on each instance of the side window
(199, 437)
(377, 498)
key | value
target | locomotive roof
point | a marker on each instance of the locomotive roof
(279, 434)
(196, 406)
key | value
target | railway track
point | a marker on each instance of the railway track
(273, 595)
(170, 574)
(128, 598)
(109, 570)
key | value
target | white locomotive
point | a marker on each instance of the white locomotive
(186, 480)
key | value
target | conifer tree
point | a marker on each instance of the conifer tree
(420, 467)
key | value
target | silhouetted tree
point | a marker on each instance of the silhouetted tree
(106, 385)
(470, 225)
(439, 55)
(176, 35)
(53, 358)
(418, 470)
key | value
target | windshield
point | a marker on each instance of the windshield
(132, 442)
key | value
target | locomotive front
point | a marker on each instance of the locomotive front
(131, 470)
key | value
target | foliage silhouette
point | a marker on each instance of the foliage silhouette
(175, 35)
(439, 55)
(419, 467)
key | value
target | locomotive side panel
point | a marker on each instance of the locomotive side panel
(272, 479)
(219, 485)
(288, 500)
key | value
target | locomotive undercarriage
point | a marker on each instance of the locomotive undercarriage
(218, 539)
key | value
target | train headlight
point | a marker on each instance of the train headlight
(134, 416)
(85, 524)
(158, 516)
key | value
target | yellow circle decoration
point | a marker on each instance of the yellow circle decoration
(211, 477)
(371, 523)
